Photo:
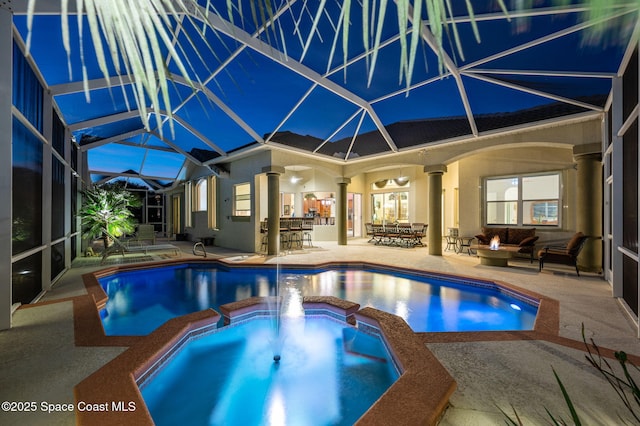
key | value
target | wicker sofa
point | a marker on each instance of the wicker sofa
(525, 238)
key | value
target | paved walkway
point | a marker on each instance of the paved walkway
(40, 362)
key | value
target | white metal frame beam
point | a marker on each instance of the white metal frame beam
(221, 104)
(541, 40)
(528, 13)
(543, 73)
(429, 38)
(149, 147)
(177, 148)
(268, 51)
(533, 91)
(106, 119)
(134, 175)
(115, 138)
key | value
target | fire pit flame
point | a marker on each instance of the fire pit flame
(494, 244)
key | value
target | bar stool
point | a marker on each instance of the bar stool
(285, 236)
(295, 232)
(307, 229)
(264, 230)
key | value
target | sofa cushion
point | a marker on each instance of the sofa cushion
(528, 241)
(482, 239)
(516, 235)
(491, 232)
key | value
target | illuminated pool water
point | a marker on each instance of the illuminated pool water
(330, 374)
(140, 301)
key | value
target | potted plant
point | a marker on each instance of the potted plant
(105, 213)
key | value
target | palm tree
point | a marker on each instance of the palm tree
(105, 213)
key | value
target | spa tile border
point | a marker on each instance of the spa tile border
(339, 309)
(116, 381)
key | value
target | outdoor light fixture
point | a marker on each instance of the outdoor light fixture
(401, 181)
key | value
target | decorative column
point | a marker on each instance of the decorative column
(589, 204)
(434, 230)
(273, 207)
(341, 210)
(6, 173)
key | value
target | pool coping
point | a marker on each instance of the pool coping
(116, 385)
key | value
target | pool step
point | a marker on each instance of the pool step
(361, 344)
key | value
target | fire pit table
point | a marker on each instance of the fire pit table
(495, 256)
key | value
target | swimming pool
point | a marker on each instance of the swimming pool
(141, 300)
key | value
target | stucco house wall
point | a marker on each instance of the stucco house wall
(472, 170)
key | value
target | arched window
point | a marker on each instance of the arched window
(201, 195)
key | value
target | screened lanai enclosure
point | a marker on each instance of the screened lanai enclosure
(299, 81)
(194, 105)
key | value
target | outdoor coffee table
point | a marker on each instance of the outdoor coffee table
(495, 257)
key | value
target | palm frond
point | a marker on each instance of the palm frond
(137, 38)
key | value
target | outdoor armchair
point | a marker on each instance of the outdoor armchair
(567, 254)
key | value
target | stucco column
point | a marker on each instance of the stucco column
(434, 230)
(273, 207)
(6, 86)
(341, 210)
(589, 204)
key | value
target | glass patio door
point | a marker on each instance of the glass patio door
(354, 215)
(390, 207)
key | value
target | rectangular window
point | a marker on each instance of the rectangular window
(27, 203)
(74, 203)
(27, 90)
(540, 199)
(630, 189)
(528, 200)
(390, 207)
(57, 259)
(57, 135)
(501, 196)
(26, 281)
(242, 199)
(58, 171)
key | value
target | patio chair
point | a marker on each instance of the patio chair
(119, 247)
(406, 235)
(369, 230)
(145, 233)
(379, 233)
(567, 254)
(419, 232)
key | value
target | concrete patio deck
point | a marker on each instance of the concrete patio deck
(40, 362)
